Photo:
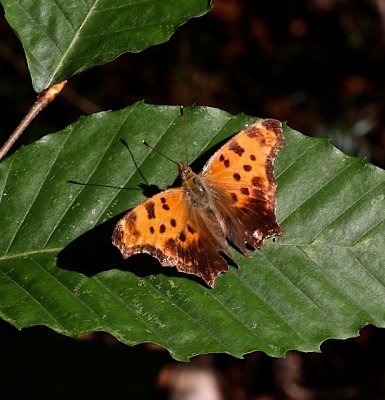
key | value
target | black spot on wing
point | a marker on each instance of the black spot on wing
(150, 208)
(257, 181)
(236, 148)
(182, 237)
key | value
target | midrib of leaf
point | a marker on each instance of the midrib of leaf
(72, 43)
(58, 249)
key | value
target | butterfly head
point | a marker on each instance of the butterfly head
(185, 172)
(194, 187)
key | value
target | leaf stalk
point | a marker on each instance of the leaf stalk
(42, 101)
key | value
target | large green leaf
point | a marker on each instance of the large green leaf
(64, 37)
(324, 278)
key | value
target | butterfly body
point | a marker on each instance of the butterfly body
(194, 188)
(231, 200)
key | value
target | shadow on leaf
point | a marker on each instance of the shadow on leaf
(93, 252)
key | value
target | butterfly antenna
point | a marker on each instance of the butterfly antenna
(184, 135)
(158, 152)
(99, 185)
(135, 163)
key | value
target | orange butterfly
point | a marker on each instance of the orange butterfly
(231, 199)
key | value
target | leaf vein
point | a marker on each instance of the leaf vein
(75, 38)
(197, 322)
(321, 188)
(276, 313)
(336, 288)
(36, 196)
(295, 160)
(29, 294)
(60, 283)
(351, 206)
(268, 307)
(367, 232)
(130, 310)
(69, 204)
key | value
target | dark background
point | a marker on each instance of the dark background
(318, 64)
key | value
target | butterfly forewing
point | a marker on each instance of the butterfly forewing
(241, 179)
(167, 227)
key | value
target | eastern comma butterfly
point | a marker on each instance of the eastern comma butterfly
(231, 200)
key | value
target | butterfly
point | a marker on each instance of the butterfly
(232, 200)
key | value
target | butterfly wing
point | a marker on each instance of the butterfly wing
(241, 180)
(168, 228)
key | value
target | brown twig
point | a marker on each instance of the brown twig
(42, 101)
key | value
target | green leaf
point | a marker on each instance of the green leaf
(62, 38)
(323, 279)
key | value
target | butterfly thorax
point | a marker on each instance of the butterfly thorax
(194, 187)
